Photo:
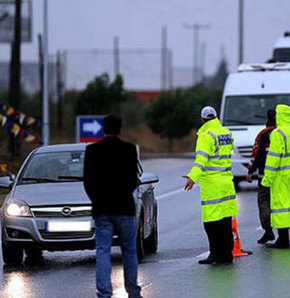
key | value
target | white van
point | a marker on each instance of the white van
(248, 94)
(281, 50)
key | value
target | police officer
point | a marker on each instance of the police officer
(277, 176)
(212, 169)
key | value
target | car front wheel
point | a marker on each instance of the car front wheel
(152, 241)
(140, 240)
(12, 255)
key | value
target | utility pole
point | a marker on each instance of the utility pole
(45, 118)
(241, 31)
(116, 56)
(164, 59)
(170, 70)
(15, 72)
(196, 27)
(59, 91)
(40, 62)
(203, 60)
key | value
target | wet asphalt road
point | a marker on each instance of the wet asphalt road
(173, 271)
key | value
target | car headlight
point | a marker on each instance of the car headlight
(17, 208)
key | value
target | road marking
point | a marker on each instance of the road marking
(186, 260)
(203, 255)
(173, 192)
(170, 193)
(259, 229)
(170, 260)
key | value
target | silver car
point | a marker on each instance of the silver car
(48, 209)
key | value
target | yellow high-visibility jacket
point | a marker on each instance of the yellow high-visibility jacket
(212, 169)
(277, 169)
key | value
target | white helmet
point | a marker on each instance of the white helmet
(208, 113)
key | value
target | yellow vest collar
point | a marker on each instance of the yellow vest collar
(214, 123)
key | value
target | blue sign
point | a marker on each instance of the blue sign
(89, 128)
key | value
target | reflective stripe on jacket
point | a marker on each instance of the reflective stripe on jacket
(212, 169)
(277, 169)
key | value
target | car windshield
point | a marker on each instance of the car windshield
(251, 109)
(54, 167)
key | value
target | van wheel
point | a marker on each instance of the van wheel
(140, 240)
(12, 255)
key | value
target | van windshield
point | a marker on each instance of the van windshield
(281, 55)
(251, 109)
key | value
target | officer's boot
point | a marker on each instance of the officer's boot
(268, 236)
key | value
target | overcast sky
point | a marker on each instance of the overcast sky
(85, 24)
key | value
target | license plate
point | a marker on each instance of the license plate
(69, 226)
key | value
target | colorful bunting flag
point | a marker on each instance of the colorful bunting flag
(21, 117)
(15, 129)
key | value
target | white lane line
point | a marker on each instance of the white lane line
(173, 192)
(170, 193)
(186, 260)
(259, 229)
(203, 255)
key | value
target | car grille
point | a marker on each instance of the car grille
(75, 211)
(245, 151)
(66, 235)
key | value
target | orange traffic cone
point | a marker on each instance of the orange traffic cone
(238, 251)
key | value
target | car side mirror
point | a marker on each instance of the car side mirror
(7, 181)
(148, 178)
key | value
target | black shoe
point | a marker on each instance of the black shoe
(268, 236)
(278, 245)
(224, 261)
(229, 262)
(207, 261)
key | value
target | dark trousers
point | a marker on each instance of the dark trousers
(125, 227)
(220, 239)
(283, 236)
(264, 206)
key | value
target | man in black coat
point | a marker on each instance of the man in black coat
(110, 177)
(259, 155)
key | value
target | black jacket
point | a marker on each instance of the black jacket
(110, 176)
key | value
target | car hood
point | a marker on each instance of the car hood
(51, 194)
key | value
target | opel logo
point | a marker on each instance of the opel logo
(66, 211)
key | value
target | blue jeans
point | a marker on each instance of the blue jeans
(125, 228)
